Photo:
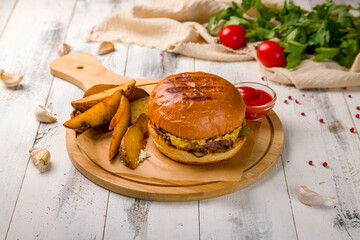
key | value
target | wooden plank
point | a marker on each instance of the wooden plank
(6, 8)
(69, 198)
(244, 214)
(26, 44)
(331, 142)
(140, 219)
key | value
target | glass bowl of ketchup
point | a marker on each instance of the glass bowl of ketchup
(259, 99)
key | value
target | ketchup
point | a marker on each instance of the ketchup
(254, 97)
(256, 102)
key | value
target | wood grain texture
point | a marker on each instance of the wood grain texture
(84, 71)
(71, 206)
(307, 139)
(268, 209)
(6, 9)
(26, 44)
(181, 218)
(245, 213)
(267, 151)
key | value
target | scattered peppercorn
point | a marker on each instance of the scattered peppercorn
(310, 163)
(325, 164)
(297, 102)
(344, 88)
(262, 78)
(357, 115)
(289, 97)
(285, 101)
(302, 114)
(161, 54)
(358, 108)
(349, 95)
(352, 130)
(321, 120)
(303, 95)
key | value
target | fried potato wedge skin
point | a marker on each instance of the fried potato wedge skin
(86, 103)
(133, 141)
(138, 107)
(137, 93)
(121, 122)
(98, 88)
(99, 114)
(116, 119)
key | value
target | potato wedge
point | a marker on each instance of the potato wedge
(74, 113)
(137, 93)
(133, 141)
(86, 103)
(121, 122)
(99, 114)
(116, 119)
(98, 88)
(138, 107)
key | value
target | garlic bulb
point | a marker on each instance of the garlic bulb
(105, 47)
(10, 80)
(63, 49)
(42, 115)
(311, 198)
(41, 158)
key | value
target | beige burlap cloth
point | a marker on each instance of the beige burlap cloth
(178, 26)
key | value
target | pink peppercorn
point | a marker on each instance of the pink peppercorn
(358, 108)
(310, 163)
(357, 116)
(285, 101)
(289, 97)
(297, 102)
(321, 120)
(344, 88)
(325, 164)
(349, 95)
(161, 54)
(302, 114)
(352, 130)
(262, 78)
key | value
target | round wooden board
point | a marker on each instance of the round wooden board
(170, 191)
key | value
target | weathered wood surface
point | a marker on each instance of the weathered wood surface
(62, 204)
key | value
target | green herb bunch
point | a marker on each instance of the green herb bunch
(327, 32)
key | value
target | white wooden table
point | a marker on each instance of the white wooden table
(63, 204)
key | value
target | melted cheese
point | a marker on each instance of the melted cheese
(182, 143)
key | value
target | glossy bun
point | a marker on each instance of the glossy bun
(196, 105)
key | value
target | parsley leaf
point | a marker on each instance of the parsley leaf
(294, 52)
(325, 53)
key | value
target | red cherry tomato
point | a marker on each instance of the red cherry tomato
(233, 36)
(270, 54)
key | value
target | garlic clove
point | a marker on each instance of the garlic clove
(42, 115)
(10, 80)
(105, 47)
(41, 158)
(63, 49)
(311, 198)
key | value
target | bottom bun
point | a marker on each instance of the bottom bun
(187, 157)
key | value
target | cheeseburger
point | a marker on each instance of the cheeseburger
(197, 118)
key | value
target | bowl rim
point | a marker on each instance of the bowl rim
(272, 102)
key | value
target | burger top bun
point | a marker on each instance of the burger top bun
(196, 105)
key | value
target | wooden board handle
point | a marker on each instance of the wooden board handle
(84, 71)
